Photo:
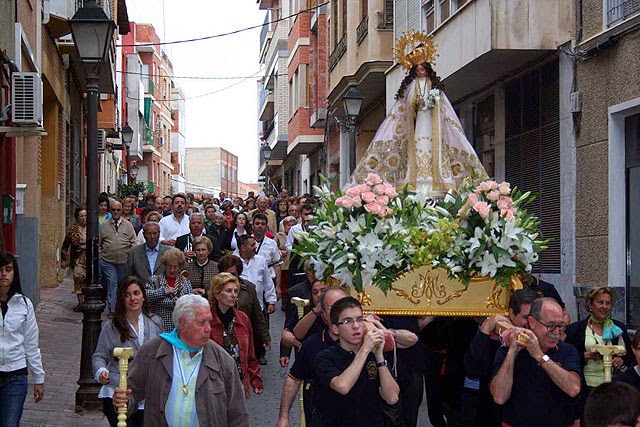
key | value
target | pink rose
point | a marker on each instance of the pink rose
(357, 202)
(507, 214)
(471, 200)
(385, 211)
(482, 208)
(368, 197)
(345, 202)
(493, 195)
(379, 189)
(486, 186)
(389, 190)
(505, 202)
(504, 188)
(383, 200)
(373, 179)
(362, 188)
(373, 207)
(353, 191)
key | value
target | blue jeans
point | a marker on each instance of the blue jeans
(112, 274)
(13, 392)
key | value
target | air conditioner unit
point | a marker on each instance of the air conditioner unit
(102, 140)
(26, 98)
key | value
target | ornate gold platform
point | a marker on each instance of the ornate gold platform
(430, 292)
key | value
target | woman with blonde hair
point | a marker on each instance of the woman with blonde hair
(599, 329)
(231, 329)
(129, 212)
(163, 290)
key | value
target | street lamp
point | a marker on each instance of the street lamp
(352, 103)
(127, 137)
(266, 154)
(134, 171)
(92, 32)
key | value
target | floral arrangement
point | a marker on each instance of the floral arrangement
(372, 234)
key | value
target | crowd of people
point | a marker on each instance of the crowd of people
(190, 284)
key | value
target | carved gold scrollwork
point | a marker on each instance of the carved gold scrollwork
(430, 287)
(364, 299)
(493, 301)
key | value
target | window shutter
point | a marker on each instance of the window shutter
(532, 158)
(399, 18)
(413, 14)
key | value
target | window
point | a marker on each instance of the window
(299, 90)
(429, 12)
(532, 151)
(619, 10)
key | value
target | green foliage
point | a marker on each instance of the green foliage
(125, 190)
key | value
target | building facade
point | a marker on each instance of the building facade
(155, 167)
(178, 140)
(42, 138)
(211, 170)
(361, 51)
(273, 95)
(606, 113)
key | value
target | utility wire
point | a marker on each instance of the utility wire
(191, 77)
(225, 34)
(198, 96)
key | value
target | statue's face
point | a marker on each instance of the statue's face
(421, 71)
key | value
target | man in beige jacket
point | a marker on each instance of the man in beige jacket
(117, 236)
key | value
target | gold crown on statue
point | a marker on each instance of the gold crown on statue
(421, 48)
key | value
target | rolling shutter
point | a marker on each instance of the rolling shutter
(532, 158)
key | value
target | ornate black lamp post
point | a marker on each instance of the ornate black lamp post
(92, 32)
(266, 154)
(352, 102)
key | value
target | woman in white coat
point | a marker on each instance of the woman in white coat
(18, 344)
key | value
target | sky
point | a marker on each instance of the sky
(228, 118)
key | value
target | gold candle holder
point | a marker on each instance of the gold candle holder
(608, 352)
(123, 354)
(301, 304)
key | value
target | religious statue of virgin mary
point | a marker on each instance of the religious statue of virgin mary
(420, 143)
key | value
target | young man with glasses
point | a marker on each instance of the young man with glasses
(539, 386)
(353, 376)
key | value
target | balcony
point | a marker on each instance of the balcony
(498, 35)
(266, 34)
(362, 30)
(337, 53)
(266, 106)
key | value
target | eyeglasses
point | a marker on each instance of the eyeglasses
(116, 210)
(552, 326)
(349, 321)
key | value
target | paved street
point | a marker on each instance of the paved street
(60, 341)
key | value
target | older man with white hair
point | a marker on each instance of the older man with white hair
(185, 378)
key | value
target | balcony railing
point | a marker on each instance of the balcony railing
(363, 29)
(619, 10)
(385, 20)
(337, 53)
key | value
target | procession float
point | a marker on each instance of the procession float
(420, 229)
